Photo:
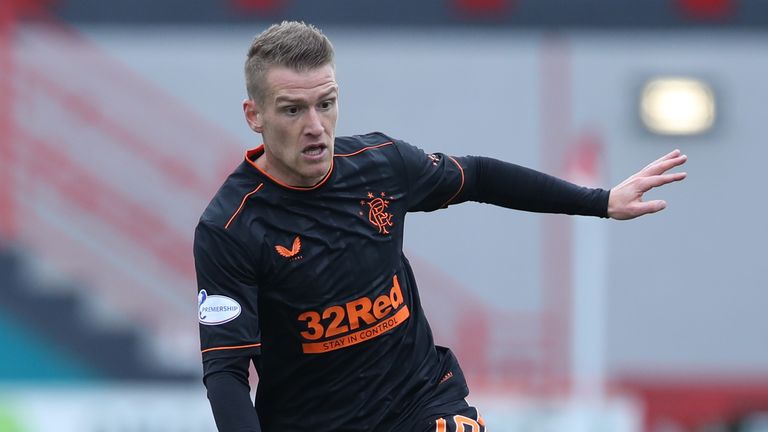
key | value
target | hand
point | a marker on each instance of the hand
(626, 199)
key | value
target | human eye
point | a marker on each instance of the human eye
(290, 109)
(327, 104)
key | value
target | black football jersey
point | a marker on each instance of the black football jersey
(313, 282)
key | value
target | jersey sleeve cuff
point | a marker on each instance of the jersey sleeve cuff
(244, 350)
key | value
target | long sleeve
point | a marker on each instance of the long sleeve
(437, 180)
(508, 185)
(229, 394)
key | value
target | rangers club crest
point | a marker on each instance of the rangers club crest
(378, 215)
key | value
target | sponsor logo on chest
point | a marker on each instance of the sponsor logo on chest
(354, 322)
(291, 254)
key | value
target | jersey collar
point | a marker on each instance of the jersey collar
(253, 154)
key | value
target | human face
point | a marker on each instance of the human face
(297, 120)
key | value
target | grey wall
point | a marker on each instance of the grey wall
(686, 289)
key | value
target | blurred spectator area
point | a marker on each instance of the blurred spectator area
(99, 194)
(48, 333)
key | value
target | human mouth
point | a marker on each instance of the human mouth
(314, 150)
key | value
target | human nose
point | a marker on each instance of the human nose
(314, 125)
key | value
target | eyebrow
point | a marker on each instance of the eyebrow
(294, 100)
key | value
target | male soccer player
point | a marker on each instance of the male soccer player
(300, 265)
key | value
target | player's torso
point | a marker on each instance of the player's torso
(341, 322)
(326, 261)
(325, 252)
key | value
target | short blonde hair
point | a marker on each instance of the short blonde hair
(290, 44)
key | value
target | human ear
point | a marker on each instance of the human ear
(253, 115)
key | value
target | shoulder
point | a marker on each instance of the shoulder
(229, 198)
(348, 146)
(216, 236)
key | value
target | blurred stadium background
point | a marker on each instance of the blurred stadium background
(119, 120)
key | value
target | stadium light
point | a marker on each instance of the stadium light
(677, 106)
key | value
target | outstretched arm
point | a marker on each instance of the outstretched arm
(437, 181)
(626, 199)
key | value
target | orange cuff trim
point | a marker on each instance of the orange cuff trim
(461, 186)
(230, 347)
(242, 203)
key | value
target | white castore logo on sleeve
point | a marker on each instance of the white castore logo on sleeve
(216, 309)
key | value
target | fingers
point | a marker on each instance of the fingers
(651, 207)
(673, 154)
(665, 165)
(626, 199)
(648, 183)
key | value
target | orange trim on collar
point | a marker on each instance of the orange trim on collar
(260, 150)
